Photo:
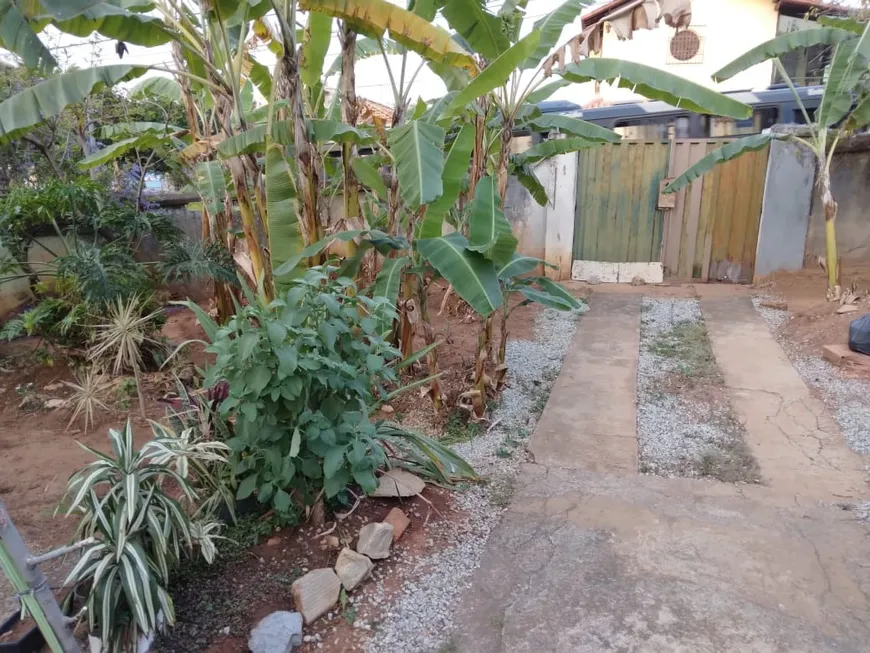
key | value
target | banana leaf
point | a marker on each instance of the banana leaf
(730, 151)
(494, 75)
(455, 171)
(472, 276)
(489, 232)
(782, 45)
(417, 148)
(656, 84)
(48, 99)
(482, 30)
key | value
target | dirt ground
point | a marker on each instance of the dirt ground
(813, 321)
(39, 449)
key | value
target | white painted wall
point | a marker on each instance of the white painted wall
(728, 29)
(546, 232)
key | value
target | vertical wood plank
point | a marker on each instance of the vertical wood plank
(627, 205)
(701, 262)
(602, 185)
(759, 174)
(642, 150)
(579, 223)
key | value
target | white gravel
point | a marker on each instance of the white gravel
(675, 430)
(420, 618)
(847, 399)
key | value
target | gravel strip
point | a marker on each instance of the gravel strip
(421, 618)
(847, 399)
(685, 423)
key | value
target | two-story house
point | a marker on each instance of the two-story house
(693, 41)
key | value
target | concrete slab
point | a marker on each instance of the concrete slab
(586, 562)
(590, 421)
(791, 433)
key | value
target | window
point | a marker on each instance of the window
(805, 66)
(762, 118)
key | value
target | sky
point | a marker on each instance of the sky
(371, 75)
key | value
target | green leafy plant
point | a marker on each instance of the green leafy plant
(137, 532)
(304, 373)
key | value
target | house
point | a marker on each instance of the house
(692, 40)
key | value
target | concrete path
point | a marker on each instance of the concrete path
(590, 422)
(796, 442)
(592, 557)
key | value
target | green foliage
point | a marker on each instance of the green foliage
(140, 532)
(301, 382)
(304, 373)
(94, 267)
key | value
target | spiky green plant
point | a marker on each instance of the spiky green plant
(119, 341)
(141, 532)
(87, 389)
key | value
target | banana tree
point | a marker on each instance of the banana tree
(845, 107)
(504, 96)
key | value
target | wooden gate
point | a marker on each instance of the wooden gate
(712, 231)
(617, 190)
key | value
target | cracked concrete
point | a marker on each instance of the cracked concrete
(592, 557)
(790, 432)
(594, 562)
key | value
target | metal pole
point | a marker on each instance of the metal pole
(30, 583)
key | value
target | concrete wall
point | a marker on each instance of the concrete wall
(785, 210)
(850, 173)
(547, 232)
(728, 29)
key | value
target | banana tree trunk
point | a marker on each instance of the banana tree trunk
(507, 135)
(481, 380)
(349, 151)
(289, 87)
(831, 253)
(429, 338)
(210, 232)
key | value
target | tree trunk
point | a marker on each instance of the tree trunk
(507, 135)
(429, 338)
(214, 227)
(831, 254)
(289, 87)
(484, 339)
(349, 151)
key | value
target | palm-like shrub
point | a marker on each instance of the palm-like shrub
(141, 531)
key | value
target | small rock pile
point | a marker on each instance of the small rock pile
(315, 593)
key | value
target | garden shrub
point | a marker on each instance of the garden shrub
(95, 265)
(305, 372)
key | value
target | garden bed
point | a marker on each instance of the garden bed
(408, 604)
(40, 450)
(685, 423)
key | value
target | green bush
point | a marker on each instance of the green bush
(305, 372)
(94, 266)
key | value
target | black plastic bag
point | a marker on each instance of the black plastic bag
(859, 335)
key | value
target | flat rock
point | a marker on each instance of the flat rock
(315, 593)
(847, 308)
(375, 540)
(352, 568)
(55, 403)
(280, 632)
(399, 483)
(399, 521)
(775, 304)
